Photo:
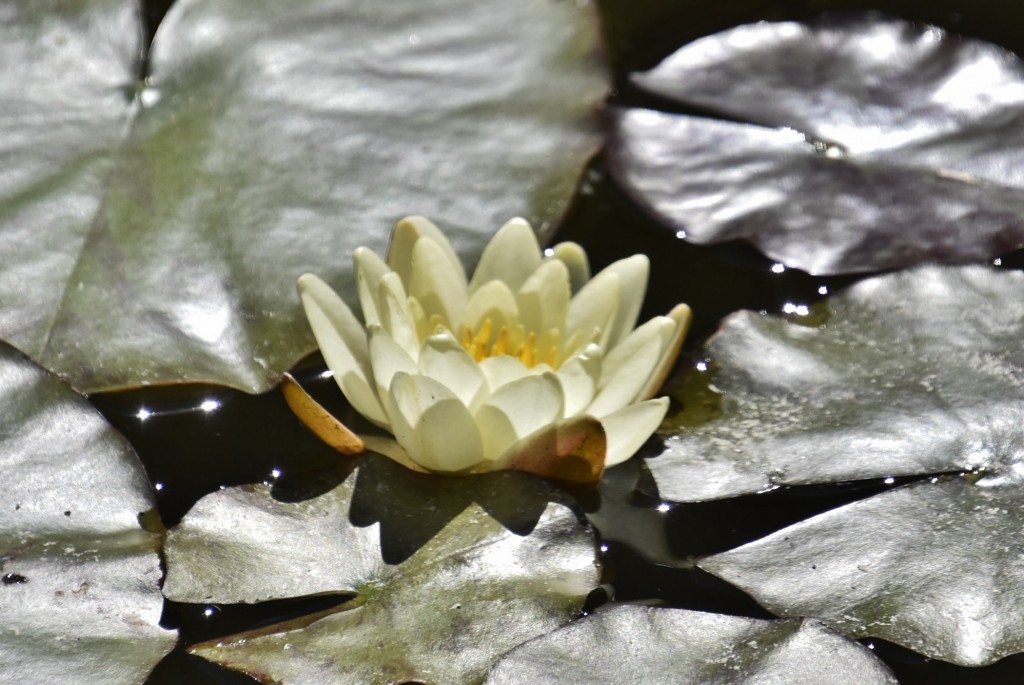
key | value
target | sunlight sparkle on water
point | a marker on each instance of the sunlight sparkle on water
(798, 309)
(209, 405)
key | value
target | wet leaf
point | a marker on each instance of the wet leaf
(161, 226)
(933, 566)
(914, 373)
(79, 576)
(849, 145)
(636, 645)
(442, 614)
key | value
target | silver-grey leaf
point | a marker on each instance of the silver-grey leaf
(933, 566)
(79, 576)
(443, 615)
(916, 372)
(631, 645)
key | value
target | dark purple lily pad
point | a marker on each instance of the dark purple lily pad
(847, 146)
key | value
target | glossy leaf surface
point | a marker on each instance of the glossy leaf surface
(637, 645)
(934, 566)
(442, 614)
(79, 576)
(158, 229)
(913, 373)
(845, 146)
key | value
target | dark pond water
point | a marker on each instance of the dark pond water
(189, 451)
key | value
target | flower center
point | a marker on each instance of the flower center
(525, 347)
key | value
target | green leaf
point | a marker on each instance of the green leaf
(853, 144)
(913, 373)
(79, 576)
(157, 237)
(443, 614)
(635, 645)
(933, 566)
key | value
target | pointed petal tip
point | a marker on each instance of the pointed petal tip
(308, 280)
(516, 222)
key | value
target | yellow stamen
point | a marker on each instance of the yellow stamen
(479, 350)
(528, 352)
(501, 344)
(552, 352)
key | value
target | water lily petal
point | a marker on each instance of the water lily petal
(387, 358)
(628, 367)
(572, 450)
(342, 341)
(440, 289)
(404, 237)
(370, 269)
(517, 409)
(682, 315)
(444, 359)
(629, 428)
(633, 274)
(502, 370)
(511, 256)
(432, 425)
(594, 308)
(544, 298)
(395, 317)
(493, 301)
(579, 377)
(575, 259)
(422, 324)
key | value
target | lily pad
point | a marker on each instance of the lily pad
(630, 644)
(913, 373)
(933, 566)
(850, 145)
(444, 614)
(160, 226)
(79, 575)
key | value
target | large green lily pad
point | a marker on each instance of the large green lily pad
(444, 614)
(854, 144)
(631, 645)
(913, 373)
(79, 575)
(157, 229)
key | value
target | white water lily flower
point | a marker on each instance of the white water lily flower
(529, 365)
